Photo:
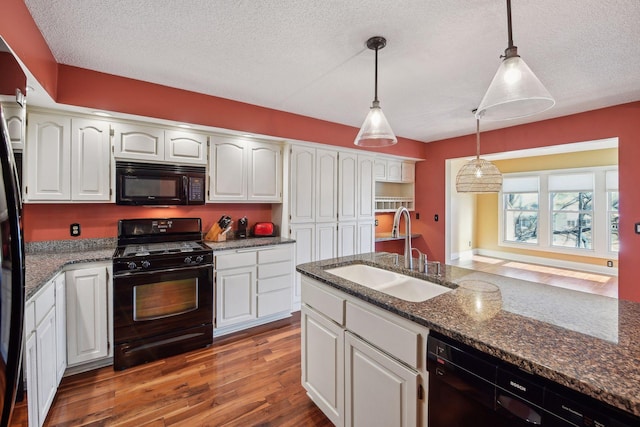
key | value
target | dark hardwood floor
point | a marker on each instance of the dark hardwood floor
(248, 379)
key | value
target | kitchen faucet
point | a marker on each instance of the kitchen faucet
(408, 261)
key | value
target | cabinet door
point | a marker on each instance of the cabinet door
(137, 142)
(31, 374)
(16, 124)
(347, 186)
(366, 237)
(366, 188)
(303, 188)
(326, 240)
(87, 322)
(322, 355)
(408, 172)
(347, 238)
(46, 363)
(304, 235)
(48, 158)
(394, 170)
(228, 169)
(378, 390)
(381, 170)
(61, 327)
(235, 296)
(265, 172)
(185, 147)
(90, 160)
(326, 186)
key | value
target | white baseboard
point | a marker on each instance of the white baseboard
(550, 262)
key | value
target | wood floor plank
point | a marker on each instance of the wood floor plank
(248, 379)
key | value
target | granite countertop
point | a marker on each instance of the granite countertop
(588, 343)
(250, 242)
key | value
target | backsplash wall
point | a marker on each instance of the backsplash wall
(52, 221)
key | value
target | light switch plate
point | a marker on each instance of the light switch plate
(637, 227)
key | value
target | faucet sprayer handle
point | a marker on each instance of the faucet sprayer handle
(422, 260)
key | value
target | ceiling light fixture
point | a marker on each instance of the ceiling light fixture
(478, 175)
(514, 91)
(375, 131)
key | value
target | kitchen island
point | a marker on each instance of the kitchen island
(587, 343)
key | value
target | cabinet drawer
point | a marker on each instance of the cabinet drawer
(273, 270)
(383, 333)
(274, 302)
(274, 255)
(235, 260)
(274, 283)
(44, 302)
(29, 319)
(322, 301)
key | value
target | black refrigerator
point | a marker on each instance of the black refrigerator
(11, 277)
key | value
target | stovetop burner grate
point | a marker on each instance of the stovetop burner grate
(161, 248)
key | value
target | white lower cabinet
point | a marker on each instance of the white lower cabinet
(361, 365)
(252, 286)
(43, 361)
(379, 391)
(88, 329)
(61, 326)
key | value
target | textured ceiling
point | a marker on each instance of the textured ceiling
(309, 57)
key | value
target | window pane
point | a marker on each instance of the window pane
(522, 201)
(573, 201)
(614, 245)
(572, 230)
(521, 226)
(613, 200)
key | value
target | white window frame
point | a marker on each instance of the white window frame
(600, 220)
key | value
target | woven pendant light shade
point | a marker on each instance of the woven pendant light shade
(478, 175)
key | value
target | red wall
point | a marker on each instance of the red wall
(12, 75)
(622, 121)
(51, 222)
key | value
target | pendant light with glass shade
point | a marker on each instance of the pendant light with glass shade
(478, 175)
(514, 91)
(375, 131)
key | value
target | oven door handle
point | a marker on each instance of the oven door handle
(168, 270)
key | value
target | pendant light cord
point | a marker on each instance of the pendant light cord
(477, 139)
(509, 30)
(375, 86)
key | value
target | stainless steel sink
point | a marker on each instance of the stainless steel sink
(391, 283)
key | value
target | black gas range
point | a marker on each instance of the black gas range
(163, 289)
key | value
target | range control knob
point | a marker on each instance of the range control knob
(199, 258)
(188, 260)
(132, 265)
(145, 264)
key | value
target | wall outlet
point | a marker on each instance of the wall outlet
(417, 215)
(376, 222)
(609, 263)
(74, 229)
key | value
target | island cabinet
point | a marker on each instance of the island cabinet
(361, 365)
(252, 286)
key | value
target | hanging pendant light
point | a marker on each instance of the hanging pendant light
(478, 175)
(514, 91)
(375, 131)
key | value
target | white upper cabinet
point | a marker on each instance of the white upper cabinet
(137, 142)
(394, 170)
(348, 190)
(185, 147)
(16, 124)
(228, 169)
(265, 172)
(48, 158)
(242, 170)
(366, 188)
(303, 189)
(67, 159)
(326, 185)
(408, 172)
(380, 170)
(90, 160)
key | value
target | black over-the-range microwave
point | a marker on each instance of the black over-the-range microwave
(159, 184)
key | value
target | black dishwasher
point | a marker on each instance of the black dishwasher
(468, 388)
